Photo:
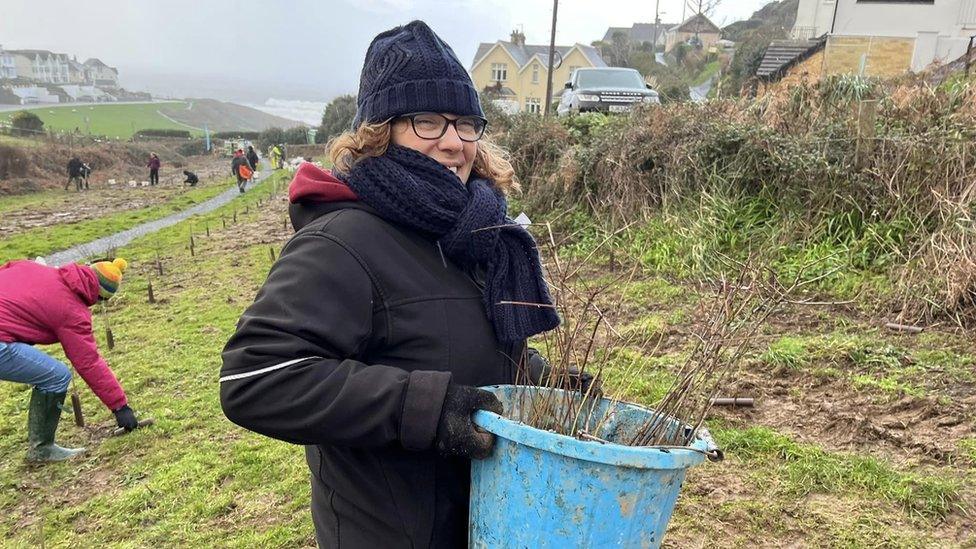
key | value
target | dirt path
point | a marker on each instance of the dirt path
(103, 198)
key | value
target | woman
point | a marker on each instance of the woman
(45, 305)
(153, 166)
(252, 158)
(391, 305)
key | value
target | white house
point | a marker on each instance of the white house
(101, 74)
(8, 67)
(42, 66)
(888, 33)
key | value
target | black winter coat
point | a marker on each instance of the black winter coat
(348, 349)
(236, 163)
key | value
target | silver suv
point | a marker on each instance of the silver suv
(612, 89)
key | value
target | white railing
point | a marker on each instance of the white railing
(803, 33)
(967, 13)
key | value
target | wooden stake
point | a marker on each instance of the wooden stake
(272, 253)
(867, 112)
(207, 228)
(191, 245)
(903, 328)
(223, 221)
(235, 216)
(149, 290)
(159, 264)
(76, 406)
(109, 338)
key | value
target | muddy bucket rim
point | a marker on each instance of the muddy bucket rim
(610, 453)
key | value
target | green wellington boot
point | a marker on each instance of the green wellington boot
(42, 423)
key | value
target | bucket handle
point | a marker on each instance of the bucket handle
(713, 454)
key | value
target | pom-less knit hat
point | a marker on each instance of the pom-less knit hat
(410, 69)
(109, 276)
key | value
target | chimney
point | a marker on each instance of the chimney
(518, 37)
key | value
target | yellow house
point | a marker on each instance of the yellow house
(514, 74)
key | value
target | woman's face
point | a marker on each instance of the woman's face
(449, 150)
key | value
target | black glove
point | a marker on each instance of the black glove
(456, 433)
(540, 371)
(126, 418)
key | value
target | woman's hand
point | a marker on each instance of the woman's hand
(457, 435)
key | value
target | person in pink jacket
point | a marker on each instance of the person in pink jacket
(46, 305)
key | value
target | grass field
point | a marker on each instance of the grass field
(861, 438)
(44, 240)
(113, 121)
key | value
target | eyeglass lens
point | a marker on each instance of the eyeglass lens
(434, 126)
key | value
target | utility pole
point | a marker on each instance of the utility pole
(552, 55)
(657, 22)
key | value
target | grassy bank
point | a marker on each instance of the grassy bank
(195, 479)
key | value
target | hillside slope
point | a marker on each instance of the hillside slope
(220, 116)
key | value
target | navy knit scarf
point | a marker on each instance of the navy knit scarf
(410, 188)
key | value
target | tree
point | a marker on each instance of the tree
(620, 48)
(26, 123)
(337, 117)
(271, 136)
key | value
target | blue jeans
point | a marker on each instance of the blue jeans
(22, 363)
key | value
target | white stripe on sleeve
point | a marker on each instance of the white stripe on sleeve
(268, 369)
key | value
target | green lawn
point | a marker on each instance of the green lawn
(194, 479)
(45, 240)
(114, 121)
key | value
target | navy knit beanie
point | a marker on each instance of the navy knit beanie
(410, 69)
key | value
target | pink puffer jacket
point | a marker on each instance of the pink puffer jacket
(46, 305)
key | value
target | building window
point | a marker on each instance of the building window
(533, 105)
(535, 74)
(499, 72)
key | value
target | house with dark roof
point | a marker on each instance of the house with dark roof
(640, 33)
(697, 29)
(514, 73)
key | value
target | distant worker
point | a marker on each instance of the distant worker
(41, 305)
(276, 156)
(252, 158)
(153, 166)
(284, 154)
(78, 173)
(191, 178)
(240, 167)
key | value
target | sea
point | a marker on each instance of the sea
(308, 112)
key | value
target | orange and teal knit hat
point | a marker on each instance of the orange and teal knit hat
(109, 276)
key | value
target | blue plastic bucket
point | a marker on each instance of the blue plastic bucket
(542, 489)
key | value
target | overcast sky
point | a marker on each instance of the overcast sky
(250, 50)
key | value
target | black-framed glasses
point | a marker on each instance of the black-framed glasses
(432, 125)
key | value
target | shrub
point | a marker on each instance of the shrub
(165, 132)
(26, 123)
(13, 162)
(237, 134)
(192, 148)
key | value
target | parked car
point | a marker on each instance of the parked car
(611, 89)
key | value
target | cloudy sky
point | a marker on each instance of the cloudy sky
(250, 50)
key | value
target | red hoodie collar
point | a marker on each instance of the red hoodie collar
(312, 184)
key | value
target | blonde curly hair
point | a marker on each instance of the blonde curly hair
(345, 150)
